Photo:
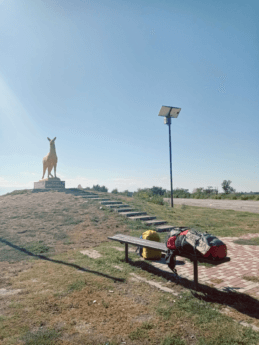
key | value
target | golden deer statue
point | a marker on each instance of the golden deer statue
(50, 161)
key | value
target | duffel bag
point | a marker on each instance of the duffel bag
(191, 241)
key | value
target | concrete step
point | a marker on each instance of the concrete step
(133, 213)
(90, 196)
(142, 217)
(68, 190)
(121, 210)
(163, 228)
(110, 202)
(75, 193)
(118, 206)
(155, 222)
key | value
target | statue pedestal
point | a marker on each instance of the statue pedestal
(50, 183)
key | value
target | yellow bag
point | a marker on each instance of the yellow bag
(147, 252)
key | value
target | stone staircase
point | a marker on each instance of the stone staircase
(132, 214)
(122, 209)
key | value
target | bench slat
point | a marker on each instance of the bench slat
(139, 242)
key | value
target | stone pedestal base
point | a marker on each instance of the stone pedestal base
(50, 183)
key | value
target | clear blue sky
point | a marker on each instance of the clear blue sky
(95, 74)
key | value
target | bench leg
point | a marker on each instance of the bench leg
(126, 252)
(195, 273)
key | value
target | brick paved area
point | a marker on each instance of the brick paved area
(244, 262)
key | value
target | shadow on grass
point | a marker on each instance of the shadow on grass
(43, 257)
(243, 303)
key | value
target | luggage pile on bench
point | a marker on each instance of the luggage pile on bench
(188, 243)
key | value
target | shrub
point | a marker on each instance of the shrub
(127, 193)
(157, 200)
(226, 187)
(180, 193)
(157, 191)
(99, 188)
(115, 191)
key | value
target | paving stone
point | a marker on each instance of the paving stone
(6, 292)
(91, 253)
(152, 283)
(118, 267)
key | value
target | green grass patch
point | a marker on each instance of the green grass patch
(72, 221)
(42, 337)
(249, 242)
(147, 325)
(165, 312)
(172, 339)
(138, 334)
(76, 286)
(37, 248)
(204, 318)
(251, 278)
(222, 223)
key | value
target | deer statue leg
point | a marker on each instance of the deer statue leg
(55, 167)
(49, 171)
(44, 170)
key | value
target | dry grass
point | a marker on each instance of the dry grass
(65, 297)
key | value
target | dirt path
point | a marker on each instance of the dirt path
(236, 205)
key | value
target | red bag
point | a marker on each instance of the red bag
(204, 244)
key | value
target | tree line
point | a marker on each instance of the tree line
(157, 194)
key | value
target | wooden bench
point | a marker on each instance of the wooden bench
(135, 241)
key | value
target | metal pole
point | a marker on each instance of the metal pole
(170, 154)
(126, 252)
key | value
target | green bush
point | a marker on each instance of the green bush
(115, 191)
(127, 193)
(244, 197)
(157, 200)
(157, 191)
(179, 193)
(99, 188)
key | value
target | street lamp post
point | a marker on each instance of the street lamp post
(168, 113)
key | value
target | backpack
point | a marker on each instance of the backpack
(191, 241)
(149, 253)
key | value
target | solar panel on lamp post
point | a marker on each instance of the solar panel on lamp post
(168, 113)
